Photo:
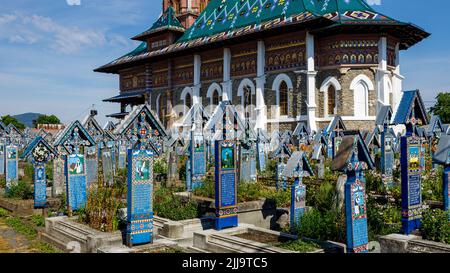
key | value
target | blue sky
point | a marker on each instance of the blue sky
(48, 49)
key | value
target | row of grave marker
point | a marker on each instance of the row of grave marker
(349, 149)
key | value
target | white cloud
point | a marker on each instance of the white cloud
(31, 29)
(73, 2)
(374, 2)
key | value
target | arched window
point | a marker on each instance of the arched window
(284, 99)
(215, 98)
(331, 103)
(361, 94)
(188, 101)
(361, 86)
(248, 100)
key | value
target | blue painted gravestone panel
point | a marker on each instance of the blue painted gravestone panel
(188, 175)
(357, 234)
(91, 165)
(411, 184)
(12, 166)
(40, 187)
(122, 156)
(387, 159)
(198, 164)
(281, 181)
(226, 185)
(298, 203)
(140, 197)
(2, 158)
(330, 149)
(261, 156)
(76, 183)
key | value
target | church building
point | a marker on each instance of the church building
(280, 62)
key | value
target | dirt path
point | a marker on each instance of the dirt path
(11, 241)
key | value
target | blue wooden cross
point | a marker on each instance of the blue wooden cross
(353, 158)
(297, 167)
(39, 153)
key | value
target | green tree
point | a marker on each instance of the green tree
(44, 119)
(11, 120)
(442, 107)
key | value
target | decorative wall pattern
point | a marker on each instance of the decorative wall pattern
(283, 52)
(348, 51)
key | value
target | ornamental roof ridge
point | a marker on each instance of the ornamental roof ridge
(166, 21)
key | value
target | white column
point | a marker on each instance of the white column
(311, 82)
(261, 109)
(397, 81)
(227, 84)
(196, 88)
(382, 74)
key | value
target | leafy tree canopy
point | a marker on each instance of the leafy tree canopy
(442, 107)
(44, 119)
(8, 120)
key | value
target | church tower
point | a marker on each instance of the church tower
(186, 11)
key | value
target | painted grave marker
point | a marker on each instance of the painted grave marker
(354, 158)
(226, 184)
(297, 167)
(75, 140)
(146, 134)
(39, 153)
(411, 113)
(11, 165)
(140, 197)
(197, 160)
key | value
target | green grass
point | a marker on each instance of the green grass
(299, 246)
(29, 231)
(3, 213)
(20, 227)
(38, 220)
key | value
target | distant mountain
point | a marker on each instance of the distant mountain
(27, 118)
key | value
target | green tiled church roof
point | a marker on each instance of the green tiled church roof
(224, 15)
(227, 19)
(167, 21)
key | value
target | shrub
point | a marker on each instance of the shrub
(271, 169)
(120, 181)
(207, 190)
(374, 182)
(432, 185)
(321, 196)
(28, 171)
(323, 226)
(102, 204)
(3, 212)
(160, 165)
(382, 219)
(38, 220)
(168, 205)
(436, 226)
(22, 190)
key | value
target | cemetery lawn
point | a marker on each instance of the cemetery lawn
(20, 235)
